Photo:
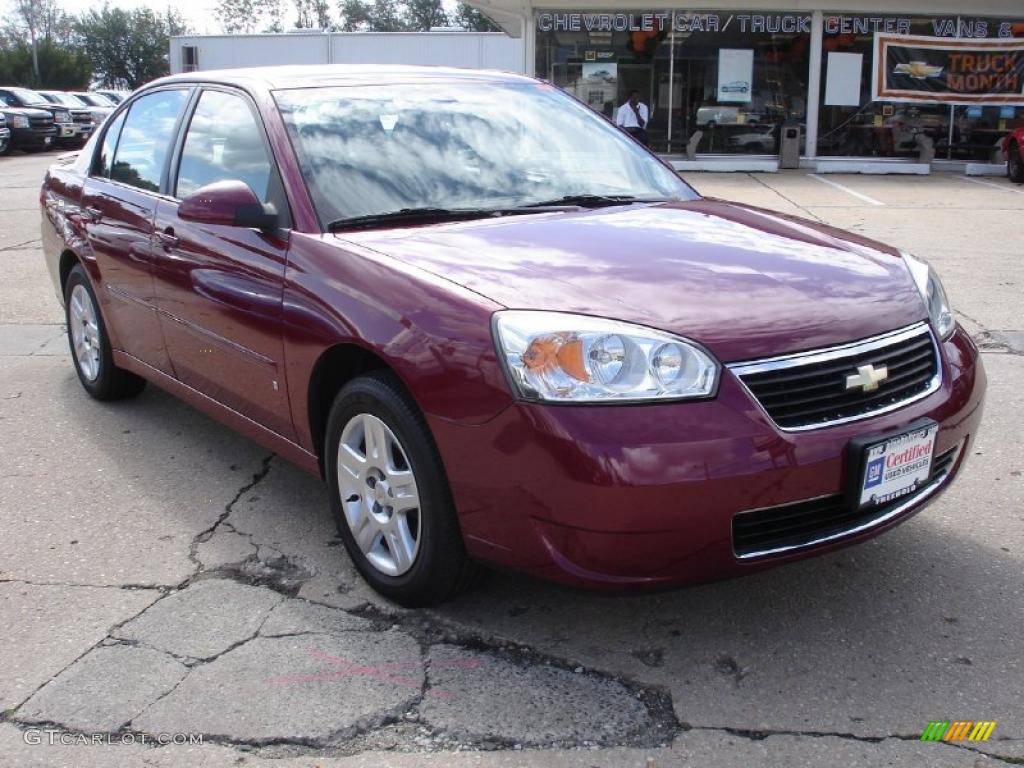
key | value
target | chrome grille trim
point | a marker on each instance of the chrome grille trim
(837, 353)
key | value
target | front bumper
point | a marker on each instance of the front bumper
(73, 131)
(646, 495)
(33, 137)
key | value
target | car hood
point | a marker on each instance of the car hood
(744, 282)
(27, 111)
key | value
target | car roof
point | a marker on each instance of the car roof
(313, 75)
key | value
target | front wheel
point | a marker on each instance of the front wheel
(1015, 164)
(390, 496)
(90, 347)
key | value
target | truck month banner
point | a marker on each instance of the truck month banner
(938, 70)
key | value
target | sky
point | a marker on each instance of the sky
(198, 13)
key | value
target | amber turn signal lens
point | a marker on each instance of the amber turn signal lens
(547, 352)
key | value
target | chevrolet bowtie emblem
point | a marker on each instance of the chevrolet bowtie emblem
(867, 377)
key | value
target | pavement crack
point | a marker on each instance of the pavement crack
(205, 535)
(20, 246)
(789, 200)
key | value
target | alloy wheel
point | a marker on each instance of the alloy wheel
(85, 332)
(379, 495)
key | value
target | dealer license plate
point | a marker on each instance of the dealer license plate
(897, 465)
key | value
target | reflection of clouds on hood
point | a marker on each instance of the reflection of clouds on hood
(698, 228)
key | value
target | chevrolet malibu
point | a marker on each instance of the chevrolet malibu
(502, 330)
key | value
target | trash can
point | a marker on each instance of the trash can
(789, 144)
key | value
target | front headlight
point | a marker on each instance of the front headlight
(933, 293)
(19, 121)
(62, 117)
(560, 357)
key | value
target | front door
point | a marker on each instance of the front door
(219, 288)
(118, 205)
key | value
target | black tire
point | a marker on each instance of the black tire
(440, 568)
(110, 382)
(7, 148)
(1015, 164)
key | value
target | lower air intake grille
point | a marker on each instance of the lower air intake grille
(804, 523)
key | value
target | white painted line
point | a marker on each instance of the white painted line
(993, 185)
(844, 188)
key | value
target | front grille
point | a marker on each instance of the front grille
(804, 523)
(809, 390)
(82, 117)
(40, 122)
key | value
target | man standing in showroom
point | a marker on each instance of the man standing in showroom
(632, 117)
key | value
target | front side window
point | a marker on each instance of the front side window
(104, 160)
(224, 142)
(146, 139)
(454, 145)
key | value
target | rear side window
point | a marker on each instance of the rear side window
(105, 158)
(224, 142)
(146, 139)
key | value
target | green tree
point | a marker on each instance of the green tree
(356, 15)
(61, 67)
(422, 15)
(35, 22)
(247, 16)
(387, 16)
(468, 17)
(127, 48)
(313, 14)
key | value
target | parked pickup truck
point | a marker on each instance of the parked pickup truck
(31, 129)
(68, 132)
(5, 135)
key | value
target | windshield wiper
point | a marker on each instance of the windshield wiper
(409, 216)
(596, 201)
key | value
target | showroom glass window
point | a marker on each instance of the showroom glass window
(146, 139)
(851, 124)
(224, 141)
(735, 76)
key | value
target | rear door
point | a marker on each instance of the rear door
(220, 288)
(118, 205)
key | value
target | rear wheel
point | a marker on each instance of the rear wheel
(90, 346)
(390, 496)
(1015, 164)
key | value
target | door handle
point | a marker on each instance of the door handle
(167, 238)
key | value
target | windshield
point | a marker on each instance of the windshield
(28, 97)
(374, 150)
(67, 99)
(96, 99)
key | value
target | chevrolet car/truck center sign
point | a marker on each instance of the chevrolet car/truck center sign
(941, 71)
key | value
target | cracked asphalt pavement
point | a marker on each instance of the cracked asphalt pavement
(160, 574)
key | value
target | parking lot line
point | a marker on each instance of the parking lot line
(993, 185)
(844, 188)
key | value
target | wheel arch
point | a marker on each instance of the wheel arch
(336, 366)
(67, 262)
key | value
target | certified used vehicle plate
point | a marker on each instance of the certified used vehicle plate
(897, 465)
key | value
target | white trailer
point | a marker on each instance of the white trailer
(474, 50)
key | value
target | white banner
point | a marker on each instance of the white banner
(735, 74)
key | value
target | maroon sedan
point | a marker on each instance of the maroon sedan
(503, 331)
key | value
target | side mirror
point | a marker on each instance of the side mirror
(229, 203)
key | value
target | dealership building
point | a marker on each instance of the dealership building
(728, 76)
(734, 71)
